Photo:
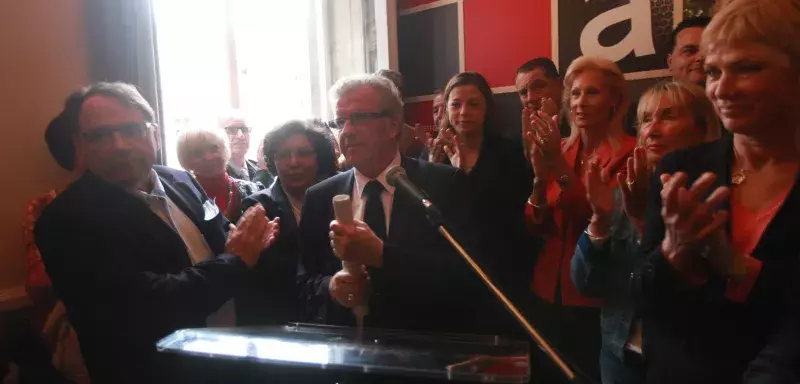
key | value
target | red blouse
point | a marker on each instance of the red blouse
(568, 213)
(221, 189)
(747, 227)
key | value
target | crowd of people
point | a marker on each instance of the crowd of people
(663, 257)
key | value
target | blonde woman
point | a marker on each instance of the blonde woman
(596, 100)
(671, 116)
(205, 153)
(720, 274)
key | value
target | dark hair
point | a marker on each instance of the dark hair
(127, 94)
(545, 64)
(476, 79)
(59, 132)
(323, 147)
(690, 22)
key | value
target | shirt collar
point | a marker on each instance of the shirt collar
(361, 180)
(240, 171)
(158, 188)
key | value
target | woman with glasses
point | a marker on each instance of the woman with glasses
(500, 177)
(205, 153)
(300, 154)
(671, 116)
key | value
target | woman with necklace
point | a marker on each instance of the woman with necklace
(720, 275)
(596, 101)
(499, 176)
(205, 153)
(299, 154)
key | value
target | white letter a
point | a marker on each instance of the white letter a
(639, 40)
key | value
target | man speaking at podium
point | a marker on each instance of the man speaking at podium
(414, 280)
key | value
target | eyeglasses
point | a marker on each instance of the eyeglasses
(356, 118)
(130, 131)
(303, 153)
(232, 129)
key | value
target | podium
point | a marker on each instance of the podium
(311, 353)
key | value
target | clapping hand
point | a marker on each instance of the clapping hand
(252, 234)
(601, 199)
(436, 145)
(634, 185)
(689, 217)
(548, 138)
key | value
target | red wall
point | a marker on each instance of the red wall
(500, 35)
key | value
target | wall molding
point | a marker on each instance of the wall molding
(495, 90)
(425, 7)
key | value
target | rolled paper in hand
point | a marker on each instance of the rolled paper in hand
(343, 210)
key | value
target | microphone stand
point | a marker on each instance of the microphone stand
(435, 217)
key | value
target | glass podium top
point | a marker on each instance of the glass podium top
(441, 356)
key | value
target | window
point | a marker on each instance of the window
(273, 60)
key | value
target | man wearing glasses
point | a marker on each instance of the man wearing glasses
(238, 132)
(135, 250)
(412, 279)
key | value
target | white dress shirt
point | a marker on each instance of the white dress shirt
(387, 196)
(195, 242)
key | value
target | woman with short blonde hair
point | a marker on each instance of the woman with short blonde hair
(205, 153)
(596, 101)
(671, 116)
(720, 260)
(687, 95)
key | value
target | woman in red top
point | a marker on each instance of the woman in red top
(596, 101)
(205, 153)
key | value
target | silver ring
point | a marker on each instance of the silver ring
(543, 140)
(631, 183)
(350, 297)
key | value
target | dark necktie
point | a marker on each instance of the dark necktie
(373, 210)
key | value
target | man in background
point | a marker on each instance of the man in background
(540, 86)
(238, 132)
(685, 60)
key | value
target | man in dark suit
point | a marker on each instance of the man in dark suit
(137, 251)
(417, 281)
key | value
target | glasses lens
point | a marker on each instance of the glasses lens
(233, 130)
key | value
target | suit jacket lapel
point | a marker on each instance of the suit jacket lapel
(346, 187)
(177, 193)
(283, 203)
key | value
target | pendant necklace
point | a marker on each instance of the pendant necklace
(740, 176)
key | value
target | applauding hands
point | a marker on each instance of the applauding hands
(252, 234)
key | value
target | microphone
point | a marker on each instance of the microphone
(396, 176)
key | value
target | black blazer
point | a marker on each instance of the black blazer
(125, 276)
(423, 285)
(695, 334)
(252, 171)
(272, 297)
(500, 184)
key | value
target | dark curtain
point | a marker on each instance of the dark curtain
(121, 36)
